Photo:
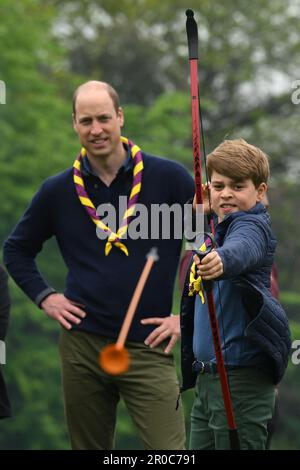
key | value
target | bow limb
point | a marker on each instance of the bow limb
(192, 36)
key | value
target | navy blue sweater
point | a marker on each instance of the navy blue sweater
(104, 284)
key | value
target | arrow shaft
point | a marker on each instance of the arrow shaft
(134, 302)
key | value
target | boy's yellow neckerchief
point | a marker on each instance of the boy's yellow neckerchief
(195, 284)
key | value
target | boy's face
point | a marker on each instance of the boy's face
(228, 196)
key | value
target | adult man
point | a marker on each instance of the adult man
(101, 278)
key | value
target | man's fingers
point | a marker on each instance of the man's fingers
(77, 311)
(76, 303)
(158, 339)
(64, 323)
(65, 316)
(153, 335)
(168, 328)
(171, 343)
(152, 321)
(70, 317)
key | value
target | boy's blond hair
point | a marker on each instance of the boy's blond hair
(239, 160)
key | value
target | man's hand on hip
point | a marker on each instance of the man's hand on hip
(167, 327)
(63, 310)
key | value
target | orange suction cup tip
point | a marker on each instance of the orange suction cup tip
(114, 360)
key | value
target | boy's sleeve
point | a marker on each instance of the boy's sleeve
(245, 247)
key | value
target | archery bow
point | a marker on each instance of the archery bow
(192, 37)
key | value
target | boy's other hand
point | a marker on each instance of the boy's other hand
(210, 267)
(206, 206)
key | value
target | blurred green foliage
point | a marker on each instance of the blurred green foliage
(47, 48)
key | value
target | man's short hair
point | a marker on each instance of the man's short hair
(110, 90)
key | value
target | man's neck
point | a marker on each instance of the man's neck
(107, 168)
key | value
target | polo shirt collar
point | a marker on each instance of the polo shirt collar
(87, 169)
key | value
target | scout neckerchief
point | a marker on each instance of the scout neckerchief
(114, 238)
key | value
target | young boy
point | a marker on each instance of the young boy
(254, 330)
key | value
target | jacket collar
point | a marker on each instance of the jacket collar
(258, 209)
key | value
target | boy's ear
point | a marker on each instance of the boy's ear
(261, 191)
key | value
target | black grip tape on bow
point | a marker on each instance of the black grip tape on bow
(192, 34)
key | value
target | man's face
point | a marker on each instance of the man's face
(97, 123)
(230, 196)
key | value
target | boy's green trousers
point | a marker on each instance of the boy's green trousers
(253, 396)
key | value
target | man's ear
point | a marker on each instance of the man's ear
(121, 117)
(74, 122)
(261, 191)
